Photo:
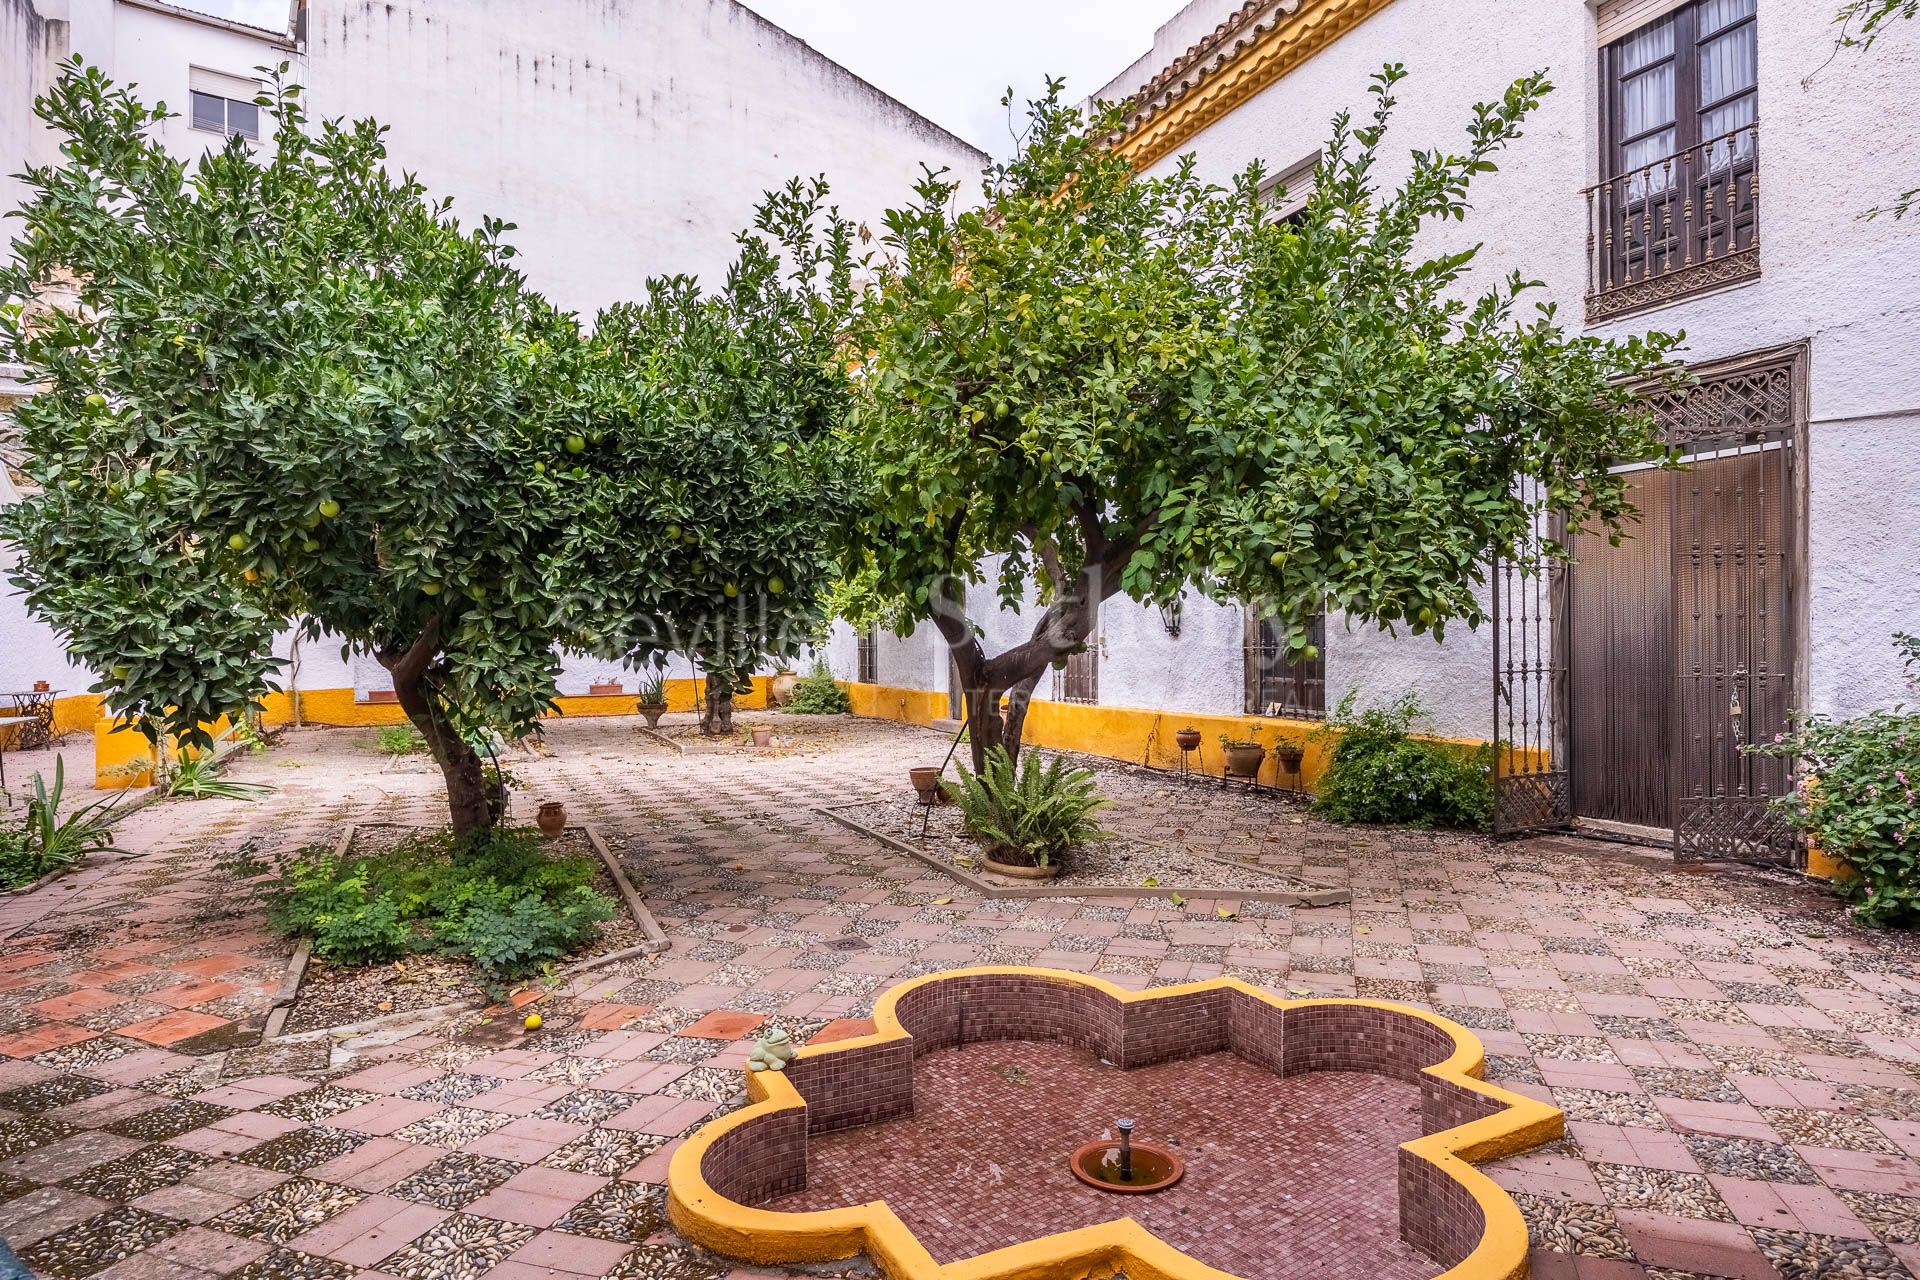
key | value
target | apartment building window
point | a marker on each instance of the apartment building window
(224, 104)
(865, 671)
(1279, 685)
(1079, 680)
(1289, 190)
(1678, 208)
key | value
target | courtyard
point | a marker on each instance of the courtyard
(1735, 1061)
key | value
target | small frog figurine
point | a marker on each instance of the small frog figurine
(773, 1053)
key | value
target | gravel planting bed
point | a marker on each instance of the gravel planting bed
(1123, 864)
(339, 995)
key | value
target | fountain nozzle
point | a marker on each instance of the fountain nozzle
(1125, 1128)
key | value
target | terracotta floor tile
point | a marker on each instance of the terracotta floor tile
(39, 1039)
(172, 1028)
(722, 1024)
(85, 1000)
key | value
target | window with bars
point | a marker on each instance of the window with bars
(1079, 680)
(1678, 206)
(1278, 685)
(865, 667)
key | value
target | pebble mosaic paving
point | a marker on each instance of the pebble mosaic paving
(1739, 1066)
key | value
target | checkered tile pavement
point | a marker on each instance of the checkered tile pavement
(1740, 1067)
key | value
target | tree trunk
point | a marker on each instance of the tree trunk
(1061, 630)
(467, 808)
(716, 718)
(1015, 674)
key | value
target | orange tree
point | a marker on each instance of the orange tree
(293, 390)
(1097, 383)
(747, 484)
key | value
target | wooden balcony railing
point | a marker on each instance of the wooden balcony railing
(1679, 225)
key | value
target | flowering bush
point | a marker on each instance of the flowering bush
(1857, 797)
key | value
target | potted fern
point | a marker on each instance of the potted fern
(1030, 819)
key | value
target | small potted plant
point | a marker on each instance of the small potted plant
(653, 699)
(1244, 756)
(1290, 755)
(607, 686)
(1187, 739)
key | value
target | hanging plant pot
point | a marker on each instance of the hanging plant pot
(1244, 759)
(552, 819)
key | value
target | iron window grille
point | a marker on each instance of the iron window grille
(1279, 685)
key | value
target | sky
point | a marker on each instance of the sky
(951, 62)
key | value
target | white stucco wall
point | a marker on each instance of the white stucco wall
(29, 43)
(625, 140)
(1829, 150)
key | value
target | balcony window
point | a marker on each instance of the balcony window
(1678, 210)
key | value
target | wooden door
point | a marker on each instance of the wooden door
(1733, 656)
(1621, 630)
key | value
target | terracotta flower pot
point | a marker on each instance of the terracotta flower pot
(552, 819)
(1243, 760)
(926, 782)
(1021, 871)
(1187, 739)
(1289, 755)
(382, 695)
(653, 711)
(41, 686)
(612, 690)
(782, 690)
(763, 737)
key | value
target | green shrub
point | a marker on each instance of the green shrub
(1859, 780)
(400, 740)
(520, 933)
(19, 863)
(1379, 773)
(496, 898)
(46, 841)
(1035, 817)
(819, 694)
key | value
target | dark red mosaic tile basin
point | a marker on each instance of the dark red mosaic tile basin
(1321, 1138)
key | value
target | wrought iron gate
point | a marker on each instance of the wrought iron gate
(1737, 574)
(1733, 560)
(1531, 791)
